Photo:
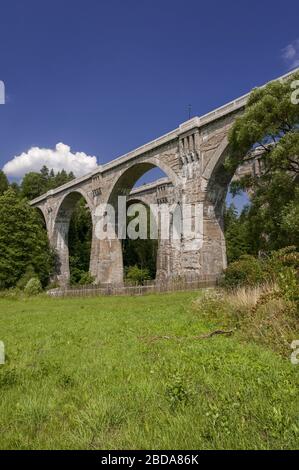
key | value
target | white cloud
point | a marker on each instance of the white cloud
(60, 158)
(290, 54)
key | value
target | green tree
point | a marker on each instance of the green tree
(3, 182)
(236, 235)
(290, 219)
(137, 275)
(141, 253)
(45, 173)
(80, 231)
(59, 179)
(35, 184)
(270, 122)
(15, 187)
(23, 241)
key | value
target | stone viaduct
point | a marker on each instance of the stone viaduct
(192, 158)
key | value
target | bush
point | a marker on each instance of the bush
(86, 279)
(29, 274)
(281, 266)
(247, 271)
(33, 287)
(262, 299)
(14, 293)
(261, 314)
(82, 278)
(75, 276)
(288, 284)
(279, 260)
(137, 275)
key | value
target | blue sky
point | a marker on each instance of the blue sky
(104, 77)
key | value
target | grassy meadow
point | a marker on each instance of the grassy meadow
(127, 373)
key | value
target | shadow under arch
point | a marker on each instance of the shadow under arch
(141, 252)
(60, 235)
(41, 216)
(69, 201)
(218, 178)
(126, 181)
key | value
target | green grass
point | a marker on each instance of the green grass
(81, 373)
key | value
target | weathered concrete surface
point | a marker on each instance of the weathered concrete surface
(192, 158)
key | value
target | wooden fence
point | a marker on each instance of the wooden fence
(149, 287)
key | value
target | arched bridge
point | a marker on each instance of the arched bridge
(192, 158)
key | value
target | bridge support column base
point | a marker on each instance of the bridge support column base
(106, 261)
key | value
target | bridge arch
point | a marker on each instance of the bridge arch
(60, 235)
(69, 200)
(112, 269)
(42, 216)
(217, 180)
(126, 179)
(217, 159)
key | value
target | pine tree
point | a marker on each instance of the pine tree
(3, 182)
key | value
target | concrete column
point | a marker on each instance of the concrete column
(106, 261)
(169, 260)
(213, 250)
(163, 260)
(94, 256)
(59, 241)
(106, 258)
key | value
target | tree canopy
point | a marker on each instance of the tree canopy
(3, 182)
(35, 184)
(269, 122)
(23, 241)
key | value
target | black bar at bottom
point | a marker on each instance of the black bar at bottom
(139, 458)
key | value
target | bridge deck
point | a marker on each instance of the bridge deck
(196, 122)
